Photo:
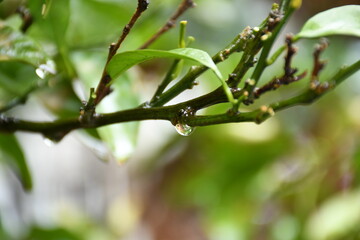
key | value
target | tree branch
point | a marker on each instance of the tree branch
(280, 16)
(289, 72)
(250, 39)
(258, 116)
(183, 7)
(187, 82)
(56, 130)
(26, 17)
(103, 88)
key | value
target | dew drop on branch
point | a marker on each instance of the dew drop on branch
(50, 139)
(48, 142)
(181, 127)
(184, 129)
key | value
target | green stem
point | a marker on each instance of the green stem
(166, 81)
(262, 63)
(284, 5)
(276, 55)
(247, 60)
(175, 67)
(182, 43)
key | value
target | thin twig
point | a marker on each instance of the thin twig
(175, 67)
(26, 18)
(279, 16)
(183, 7)
(318, 64)
(289, 72)
(103, 88)
(168, 78)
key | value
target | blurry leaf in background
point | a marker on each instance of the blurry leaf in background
(15, 80)
(80, 225)
(123, 215)
(210, 176)
(15, 46)
(286, 228)
(3, 234)
(16, 51)
(94, 22)
(337, 218)
(51, 27)
(38, 233)
(214, 175)
(336, 21)
(119, 138)
(12, 155)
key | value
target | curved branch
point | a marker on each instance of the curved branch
(56, 130)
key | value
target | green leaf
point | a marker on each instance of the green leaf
(16, 79)
(125, 60)
(15, 46)
(343, 20)
(11, 154)
(119, 139)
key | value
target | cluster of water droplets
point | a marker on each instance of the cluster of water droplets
(146, 105)
(182, 128)
(45, 69)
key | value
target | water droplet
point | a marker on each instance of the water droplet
(45, 69)
(184, 129)
(146, 104)
(40, 72)
(48, 142)
(51, 139)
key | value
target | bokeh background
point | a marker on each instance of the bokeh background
(296, 176)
